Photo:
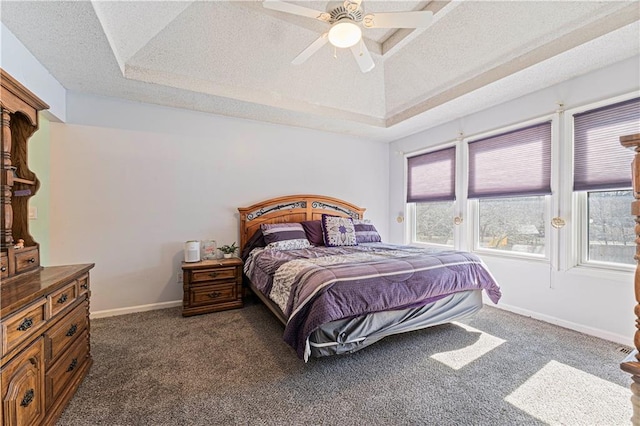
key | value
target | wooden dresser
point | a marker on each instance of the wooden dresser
(44, 342)
(44, 312)
(211, 285)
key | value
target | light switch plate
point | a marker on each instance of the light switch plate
(33, 212)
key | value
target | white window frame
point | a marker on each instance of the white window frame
(582, 210)
(474, 206)
(578, 256)
(410, 208)
(473, 228)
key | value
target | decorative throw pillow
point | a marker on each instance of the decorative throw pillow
(338, 231)
(313, 229)
(257, 240)
(366, 232)
(284, 236)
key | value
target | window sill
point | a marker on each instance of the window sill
(435, 245)
(512, 256)
(617, 273)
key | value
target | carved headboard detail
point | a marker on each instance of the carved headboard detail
(292, 208)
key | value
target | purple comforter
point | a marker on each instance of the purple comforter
(318, 285)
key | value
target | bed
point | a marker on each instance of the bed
(347, 289)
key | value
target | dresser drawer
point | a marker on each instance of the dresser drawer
(64, 333)
(203, 275)
(212, 294)
(27, 259)
(66, 367)
(23, 324)
(4, 266)
(83, 284)
(62, 298)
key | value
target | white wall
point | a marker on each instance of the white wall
(131, 182)
(24, 67)
(597, 302)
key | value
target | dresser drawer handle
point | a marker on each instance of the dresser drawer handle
(84, 286)
(62, 299)
(214, 294)
(25, 324)
(32, 260)
(72, 330)
(73, 364)
(27, 398)
(3, 269)
(213, 274)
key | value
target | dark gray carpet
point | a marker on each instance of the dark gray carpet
(157, 368)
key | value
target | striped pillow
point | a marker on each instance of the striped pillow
(366, 232)
(284, 236)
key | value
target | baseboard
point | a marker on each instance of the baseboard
(612, 337)
(134, 309)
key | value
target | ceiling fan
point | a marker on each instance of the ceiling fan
(345, 31)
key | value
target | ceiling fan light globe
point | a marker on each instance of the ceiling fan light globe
(345, 33)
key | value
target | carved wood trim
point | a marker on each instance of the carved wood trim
(632, 363)
(15, 97)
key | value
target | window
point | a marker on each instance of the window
(431, 192)
(610, 227)
(602, 182)
(510, 176)
(512, 224)
(434, 223)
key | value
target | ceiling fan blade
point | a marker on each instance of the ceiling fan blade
(418, 19)
(363, 57)
(313, 48)
(295, 9)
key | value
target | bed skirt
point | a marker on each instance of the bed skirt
(352, 334)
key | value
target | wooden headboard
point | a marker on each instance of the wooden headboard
(292, 208)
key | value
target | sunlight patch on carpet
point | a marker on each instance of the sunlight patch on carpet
(460, 357)
(560, 394)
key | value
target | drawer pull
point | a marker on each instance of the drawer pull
(72, 330)
(84, 286)
(27, 398)
(32, 260)
(62, 299)
(214, 295)
(73, 364)
(213, 274)
(25, 324)
(3, 269)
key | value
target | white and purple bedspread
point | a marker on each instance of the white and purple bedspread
(322, 284)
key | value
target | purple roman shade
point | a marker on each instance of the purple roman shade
(431, 176)
(516, 163)
(600, 162)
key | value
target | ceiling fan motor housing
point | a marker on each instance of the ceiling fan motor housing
(342, 12)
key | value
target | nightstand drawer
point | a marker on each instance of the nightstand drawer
(21, 325)
(62, 298)
(212, 294)
(203, 275)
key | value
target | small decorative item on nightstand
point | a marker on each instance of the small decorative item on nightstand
(211, 285)
(228, 250)
(208, 249)
(192, 251)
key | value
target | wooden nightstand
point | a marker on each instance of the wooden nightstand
(211, 285)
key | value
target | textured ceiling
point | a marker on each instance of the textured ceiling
(234, 57)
